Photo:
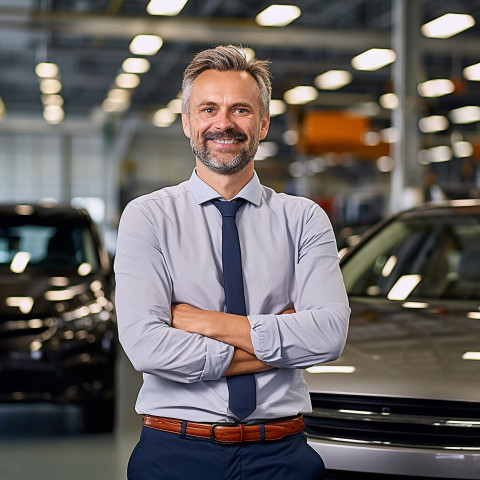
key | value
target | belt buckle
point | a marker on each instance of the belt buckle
(212, 430)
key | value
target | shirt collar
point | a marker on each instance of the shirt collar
(202, 192)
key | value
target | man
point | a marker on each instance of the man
(171, 296)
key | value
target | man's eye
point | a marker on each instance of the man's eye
(241, 110)
(208, 110)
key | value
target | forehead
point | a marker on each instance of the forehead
(212, 85)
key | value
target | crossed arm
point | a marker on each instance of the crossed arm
(225, 327)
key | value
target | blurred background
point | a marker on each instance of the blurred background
(376, 108)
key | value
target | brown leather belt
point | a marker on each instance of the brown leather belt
(225, 433)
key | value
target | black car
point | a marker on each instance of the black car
(57, 320)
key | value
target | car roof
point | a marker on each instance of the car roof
(56, 210)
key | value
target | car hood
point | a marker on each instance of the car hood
(41, 296)
(415, 350)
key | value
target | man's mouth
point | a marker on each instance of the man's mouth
(226, 138)
(228, 141)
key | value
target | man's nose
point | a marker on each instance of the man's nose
(224, 121)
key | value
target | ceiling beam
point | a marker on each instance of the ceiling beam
(215, 30)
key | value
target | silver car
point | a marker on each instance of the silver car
(404, 398)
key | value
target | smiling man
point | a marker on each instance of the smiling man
(225, 291)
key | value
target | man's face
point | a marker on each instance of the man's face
(224, 124)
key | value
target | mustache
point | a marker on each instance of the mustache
(230, 134)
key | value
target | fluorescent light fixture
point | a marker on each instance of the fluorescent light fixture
(462, 149)
(175, 105)
(385, 164)
(50, 86)
(333, 79)
(46, 70)
(24, 304)
(331, 369)
(164, 117)
(53, 114)
(127, 80)
(119, 95)
(390, 134)
(474, 315)
(20, 262)
(24, 210)
(54, 99)
(146, 44)
(433, 123)
(403, 287)
(389, 101)
(136, 65)
(278, 15)
(468, 114)
(165, 7)
(374, 59)
(448, 25)
(300, 95)
(471, 356)
(436, 88)
(472, 72)
(277, 107)
(442, 153)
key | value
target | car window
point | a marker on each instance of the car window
(418, 258)
(47, 246)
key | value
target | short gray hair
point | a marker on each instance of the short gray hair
(225, 58)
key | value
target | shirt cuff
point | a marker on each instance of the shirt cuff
(265, 337)
(218, 358)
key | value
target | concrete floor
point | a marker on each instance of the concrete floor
(46, 442)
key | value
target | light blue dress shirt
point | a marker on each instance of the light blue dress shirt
(169, 251)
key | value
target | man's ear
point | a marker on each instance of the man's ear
(264, 126)
(186, 125)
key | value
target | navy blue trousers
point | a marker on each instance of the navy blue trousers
(165, 456)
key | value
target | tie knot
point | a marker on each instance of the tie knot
(229, 208)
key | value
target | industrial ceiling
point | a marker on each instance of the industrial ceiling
(89, 40)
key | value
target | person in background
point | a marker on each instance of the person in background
(225, 291)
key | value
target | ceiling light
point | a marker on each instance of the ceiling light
(119, 95)
(385, 164)
(46, 70)
(277, 107)
(389, 101)
(53, 114)
(52, 100)
(333, 79)
(136, 65)
(390, 134)
(433, 123)
(164, 117)
(175, 105)
(462, 149)
(442, 153)
(127, 80)
(472, 72)
(447, 25)
(436, 88)
(278, 15)
(162, 7)
(471, 356)
(50, 86)
(300, 95)
(111, 105)
(468, 114)
(20, 262)
(146, 44)
(374, 59)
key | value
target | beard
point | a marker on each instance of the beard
(217, 165)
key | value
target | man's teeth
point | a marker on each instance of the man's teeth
(226, 141)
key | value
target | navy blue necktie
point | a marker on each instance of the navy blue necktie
(241, 388)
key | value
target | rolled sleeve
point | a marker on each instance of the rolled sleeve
(218, 358)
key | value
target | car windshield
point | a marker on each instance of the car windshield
(48, 245)
(419, 257)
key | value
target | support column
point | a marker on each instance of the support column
(406, 182)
